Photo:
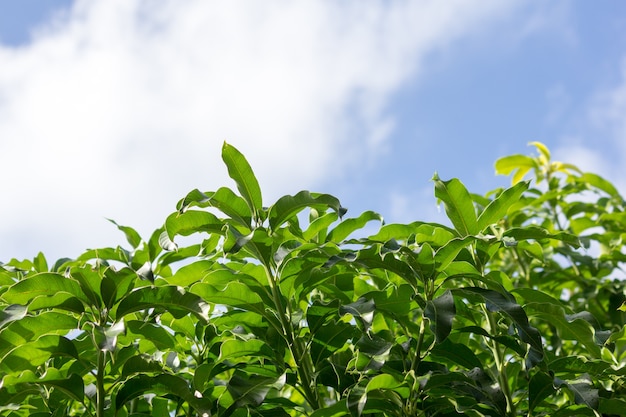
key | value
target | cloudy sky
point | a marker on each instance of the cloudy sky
(117, 108)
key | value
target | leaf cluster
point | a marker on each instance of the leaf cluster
(234, 308)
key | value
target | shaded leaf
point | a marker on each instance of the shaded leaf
(440, 312)
(540, 387)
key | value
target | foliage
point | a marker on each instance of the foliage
(291, 310)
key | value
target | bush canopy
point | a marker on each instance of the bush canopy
(515, 308)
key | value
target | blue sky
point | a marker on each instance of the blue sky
(118, 108)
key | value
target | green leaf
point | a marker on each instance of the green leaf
(61, 301)
(348, 226)
(543, 149)
(36, 353)
(338, 409)
(537, 233)
(458, 204)
(583, 390)
(519, 163)
(225, 200)
(457, 353)
(288, 206)
(505, 302)
(12, 313)
(568, 328)
(235, 294)
(240, 171)
(131, 234)
(540, 387)
(599, 183)
(499, 206)
(31, 328)
(251, 389)
(612, 406)
(172, 298)
(140, 364)
(237, 349)
(166, 243)
(158, 335)
(191, 221)
(160, 384)
(106, 336)
(43, 284)
(71, 385)
(362, 309)
(440, 312)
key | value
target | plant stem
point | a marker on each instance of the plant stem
(101, 393)
(305, 368)
(498, 355)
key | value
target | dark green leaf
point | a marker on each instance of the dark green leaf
(457, 353)
(160, 384)
(440, 312)
(583, 390)
(540, 387)
(362, 309)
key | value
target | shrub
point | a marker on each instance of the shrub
(514, 308)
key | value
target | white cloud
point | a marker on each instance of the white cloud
(119, 107)
(606, 123)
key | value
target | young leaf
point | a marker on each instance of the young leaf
(240, 171)
(458, 204)
(521, 164)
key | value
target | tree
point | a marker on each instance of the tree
(515, 308)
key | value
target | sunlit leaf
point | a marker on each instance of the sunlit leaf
(458, 204)
(348, 226)
(131, 234)
(240, 171)
(288, 206)
(173, 299)
(499, 206)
